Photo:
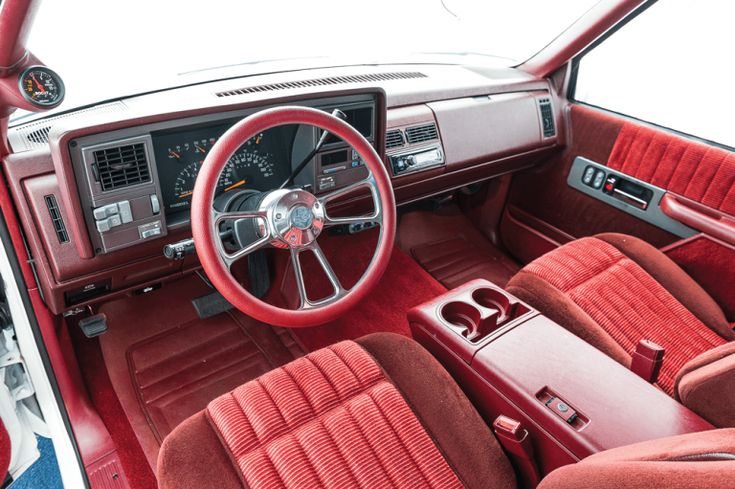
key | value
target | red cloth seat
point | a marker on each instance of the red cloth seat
(614, 290)
(380, 412)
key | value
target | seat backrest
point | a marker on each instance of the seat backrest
(693, 461)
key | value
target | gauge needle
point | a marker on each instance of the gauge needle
(235, 185)
(174, 153)
(200, 149)
(40, 87)
(185, 194)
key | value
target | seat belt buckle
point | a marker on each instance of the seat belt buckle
(647, 360)
(517, 443)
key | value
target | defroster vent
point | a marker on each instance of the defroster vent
(56, 219)
(419, 134)
(121, 166)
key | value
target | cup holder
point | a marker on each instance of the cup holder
(469, 320)
(494, 299)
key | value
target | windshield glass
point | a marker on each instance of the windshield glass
(105, 50)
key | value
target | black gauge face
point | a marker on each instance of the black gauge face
(41, 86)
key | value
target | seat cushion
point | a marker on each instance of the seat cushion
(603, 289)
(379, 412)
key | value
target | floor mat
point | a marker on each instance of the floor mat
(448, 246)
(166, 364)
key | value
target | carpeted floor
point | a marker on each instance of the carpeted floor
(450, 247)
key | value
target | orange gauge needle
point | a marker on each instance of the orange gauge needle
(235, 185)
(185, 194)
(200, 149)
(40, 87)
(174, 153)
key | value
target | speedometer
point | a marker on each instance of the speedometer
(184, 185)
(247, 168)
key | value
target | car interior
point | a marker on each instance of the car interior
(379, 275)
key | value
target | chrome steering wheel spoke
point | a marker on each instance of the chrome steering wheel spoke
(338, 291)
(377, 214)
(230, 258)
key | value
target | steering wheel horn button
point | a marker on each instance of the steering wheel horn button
(301, 217)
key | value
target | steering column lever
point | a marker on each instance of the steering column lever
(325, 134)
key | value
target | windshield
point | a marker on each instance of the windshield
(105, 50)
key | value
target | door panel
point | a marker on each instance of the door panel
(544, 194)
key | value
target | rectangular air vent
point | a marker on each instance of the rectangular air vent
(318, 82)
(547, 117)
(394, 139)
(121, 166)
(422, 133)
(56, 219)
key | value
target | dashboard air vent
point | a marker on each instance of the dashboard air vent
(39, 136)
(318, 82)
(56, 219)
(394, 139)
(121, 166)
(419, 134)
(547, 117)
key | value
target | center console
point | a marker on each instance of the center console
(512, 361)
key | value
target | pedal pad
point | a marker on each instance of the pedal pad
(210, 305)
(93, 326)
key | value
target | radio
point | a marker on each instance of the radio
(416, 160)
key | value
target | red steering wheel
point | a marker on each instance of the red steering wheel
(290, 219)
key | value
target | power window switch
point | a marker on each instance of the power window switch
(589, 174)
(126, 214)
(599, 179)
(105, 211)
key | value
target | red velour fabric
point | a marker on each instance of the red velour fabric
(331, 419)
(625, 301)
(711, 264)
(695, 461)
(700, 172)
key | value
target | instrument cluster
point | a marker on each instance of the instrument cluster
(262, 163)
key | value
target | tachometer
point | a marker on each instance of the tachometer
(41, 86)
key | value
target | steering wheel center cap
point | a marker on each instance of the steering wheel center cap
(302, 217)
(297, 217)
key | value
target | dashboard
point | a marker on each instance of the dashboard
(102, 190)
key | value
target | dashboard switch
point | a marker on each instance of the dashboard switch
(104, 212)
(149, 230)
(155, 205)
(126, 214)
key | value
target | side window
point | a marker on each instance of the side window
(672, 65)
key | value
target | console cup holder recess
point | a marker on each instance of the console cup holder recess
(475, 323)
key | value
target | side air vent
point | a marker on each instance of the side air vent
(394, 139)
(547, 117)
(419, 134)
(56, 219)
(121, 166)
(318, 82)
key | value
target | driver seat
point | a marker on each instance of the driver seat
(382, 412)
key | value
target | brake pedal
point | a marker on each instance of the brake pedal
(93, 326)
(210, 305)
